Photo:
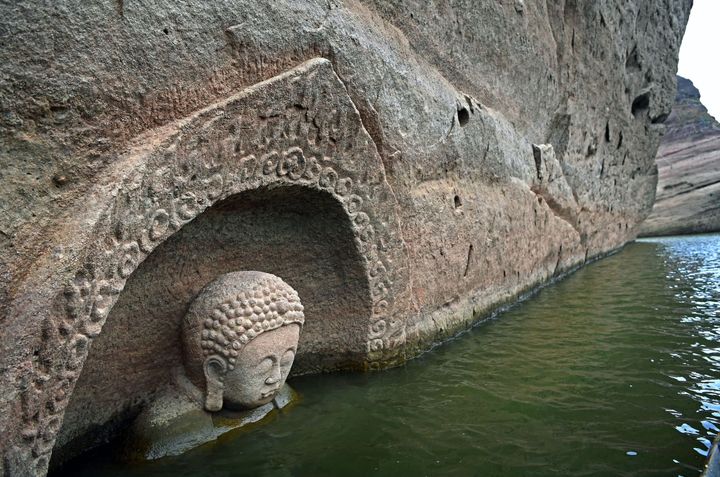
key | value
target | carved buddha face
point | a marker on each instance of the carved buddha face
(241, 334)
(260, 371)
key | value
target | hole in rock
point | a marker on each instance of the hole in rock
(166, 31)
(660, 118)
(457, 201)
(640, 104)
(463, 116)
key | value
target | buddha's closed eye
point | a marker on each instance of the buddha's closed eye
(265, 366)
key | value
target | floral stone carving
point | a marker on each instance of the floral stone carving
(298, 129)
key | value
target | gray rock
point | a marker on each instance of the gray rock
(688, 161)
(377, 155)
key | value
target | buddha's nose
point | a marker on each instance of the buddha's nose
(274, 377)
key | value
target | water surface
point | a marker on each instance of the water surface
(613, 371)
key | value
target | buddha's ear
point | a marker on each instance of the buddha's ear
(214, 368)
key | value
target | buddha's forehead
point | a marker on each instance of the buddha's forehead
(273, 342)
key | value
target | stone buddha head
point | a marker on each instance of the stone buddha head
(240, 337)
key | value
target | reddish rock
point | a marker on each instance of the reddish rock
(377, 155)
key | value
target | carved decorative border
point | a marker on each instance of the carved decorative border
(299, 128)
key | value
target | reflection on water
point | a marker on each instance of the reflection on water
(613, 371)
(693, 274)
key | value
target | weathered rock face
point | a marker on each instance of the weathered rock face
(376, 155)
(688, 160)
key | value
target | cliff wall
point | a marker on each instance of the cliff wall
(406, 166)
(688, 161)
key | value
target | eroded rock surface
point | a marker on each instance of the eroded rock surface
(378, 155)
(688, 161)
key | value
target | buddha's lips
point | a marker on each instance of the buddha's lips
(268, 393)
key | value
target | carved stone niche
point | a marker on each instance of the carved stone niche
(281, 177)
(298, 234)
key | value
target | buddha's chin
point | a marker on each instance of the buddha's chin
(246, 405)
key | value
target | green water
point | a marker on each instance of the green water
(613, 371)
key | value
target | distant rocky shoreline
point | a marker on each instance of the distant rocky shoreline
(688, 160)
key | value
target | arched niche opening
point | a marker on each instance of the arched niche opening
(300, 234)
